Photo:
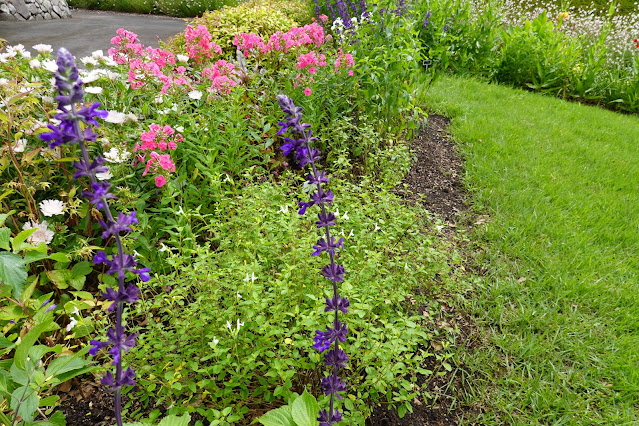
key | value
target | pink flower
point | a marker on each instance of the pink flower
(308, 91)
(160, 181)
(323, 18)
(350, 72)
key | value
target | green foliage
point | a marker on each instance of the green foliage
(24, 378)
(195, 345)
(163, 7)
(302, 411)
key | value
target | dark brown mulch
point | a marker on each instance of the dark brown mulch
(435, 182)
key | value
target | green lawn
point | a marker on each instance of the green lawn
(560, 182)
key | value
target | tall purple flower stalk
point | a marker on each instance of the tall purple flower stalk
(70, 131)
(335, 358)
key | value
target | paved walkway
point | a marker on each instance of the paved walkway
(90, 30)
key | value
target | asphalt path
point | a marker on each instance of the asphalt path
(90, 30)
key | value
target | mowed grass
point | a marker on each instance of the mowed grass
(560, 301)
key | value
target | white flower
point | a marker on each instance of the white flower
(72, 323)
(239, 324)
(48, 99)
(377, 228)
(179, 129)
(93, 89)
(214, 342)
(345, 216)
(18, 48)
(158, 99)
(20, 145)
(3, 81)
(239, 296)
(252, 278)
(132, 117)
(75, 311)
(182, 58)
(51, 207)
(114, 155)
(163, 247)
(35, 64)
(90, 77)
(43, 48)
(115, 117)
(195, 94)
(89, 60)
(42, 235)
(49, 65)
(104, 176)
(228, 325)
(283, 209)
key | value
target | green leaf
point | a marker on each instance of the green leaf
(60, 277)
(278, 417)
(5, 235)
(18, 242)
(65, 364)
(38, 253)
(81, 269)
(59, 257)
(25, 407)
(305, 409)
(176, 420)
(77, 282)
(20, 357)
(13, 272)
(4, 217)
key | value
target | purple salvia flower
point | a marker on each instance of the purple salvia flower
(69, 131)
(299, 145)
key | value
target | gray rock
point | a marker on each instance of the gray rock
(47, 15)
(21, 8)
(46, 5)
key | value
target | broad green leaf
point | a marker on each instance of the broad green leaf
(18, 240)
(304, 410)
(59, 257)
(60, 277)
(25, 401)
(81, 269)
(65, 364)
(20, 357)
(5, 236)
(13, 272)
(35, 254)
(77, 282)
(278, 417)
(27, 292)
(176, 420)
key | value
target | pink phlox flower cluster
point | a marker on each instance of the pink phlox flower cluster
(221, 75)
(199, 44)
(126, 46)
(311, 60)
(344, 61)
(160, 138)
(246, 42)
(312, 34)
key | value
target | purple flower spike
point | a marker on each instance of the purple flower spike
(73, 117)
(299, 145)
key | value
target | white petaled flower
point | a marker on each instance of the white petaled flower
(345, 216)
(93, 89)
(179, 129)
(228, 325)
(41, 235)
(18, 48)
(115, 117)
(214, 342)
(3, 81)
(89, 77)
(49, 65)
(239, 324)
(132, 117)
(114, 155)
(48, 99)
(26, 54)
(283, 209)
(43, 49)
(182, 58)
(377, 228)
(20, 145)
(51, 207)
(35, 64)
(75, 311)
(251, 278)
(158, 99)
(195, 94)
(97, 54)
(90, 60)
(72, 323)
(239, 296)
(104, 175)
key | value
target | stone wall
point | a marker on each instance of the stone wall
(29, 10)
